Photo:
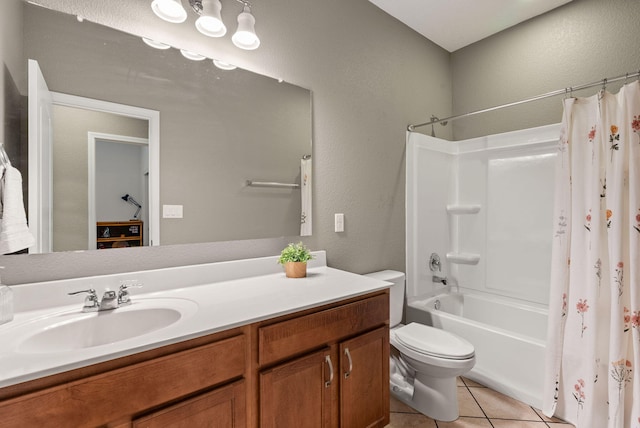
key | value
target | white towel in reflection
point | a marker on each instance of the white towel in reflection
(305, 188)
(14, 232)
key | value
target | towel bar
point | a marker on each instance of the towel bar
(272, 184)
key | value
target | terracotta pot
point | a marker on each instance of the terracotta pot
(295, 269)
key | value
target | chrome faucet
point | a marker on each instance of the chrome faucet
(124, 298)
(110, 299)
(91, 303)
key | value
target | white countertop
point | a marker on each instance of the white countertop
(226, 295)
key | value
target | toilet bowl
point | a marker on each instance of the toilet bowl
(425, 361)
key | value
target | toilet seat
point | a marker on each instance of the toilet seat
(434, 342)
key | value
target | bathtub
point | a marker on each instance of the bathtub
(508, 336)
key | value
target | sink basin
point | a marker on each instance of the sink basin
(77, 330)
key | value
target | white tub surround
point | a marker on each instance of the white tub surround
(485, 206)
(210, 297)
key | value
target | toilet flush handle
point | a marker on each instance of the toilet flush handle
(348, 354)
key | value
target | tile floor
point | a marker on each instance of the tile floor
(480, 407)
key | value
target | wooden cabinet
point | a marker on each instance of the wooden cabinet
(297, 393)
(221, 408)
(364, 384)
(344, 384)
(118, 234)
(324, 367)
(123, 393)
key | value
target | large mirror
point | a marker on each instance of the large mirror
(217, 130)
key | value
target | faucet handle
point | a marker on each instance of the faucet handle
(91, 301)
(123, 294)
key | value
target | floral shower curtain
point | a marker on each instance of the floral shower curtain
(593, 340)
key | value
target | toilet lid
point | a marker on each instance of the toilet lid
(434, 341)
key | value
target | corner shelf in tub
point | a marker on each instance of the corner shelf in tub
(463, 258)
(463, 208)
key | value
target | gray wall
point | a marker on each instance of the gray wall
(578, 43)
(370, 77)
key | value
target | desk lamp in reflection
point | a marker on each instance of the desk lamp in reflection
(132, 201)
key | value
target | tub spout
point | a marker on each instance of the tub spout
(439, 279)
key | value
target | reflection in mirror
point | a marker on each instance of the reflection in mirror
(218, 129)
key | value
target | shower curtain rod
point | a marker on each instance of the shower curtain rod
(566, 91)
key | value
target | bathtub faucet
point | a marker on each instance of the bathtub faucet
(439, 279)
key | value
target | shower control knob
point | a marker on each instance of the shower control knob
(434, 262)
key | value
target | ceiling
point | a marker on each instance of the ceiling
(454, 24)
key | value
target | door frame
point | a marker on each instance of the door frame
(92, 139)
(153, 117)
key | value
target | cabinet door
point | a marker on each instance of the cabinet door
(297, 394)
(364, 383)
(221, 408)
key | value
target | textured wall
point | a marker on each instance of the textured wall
(581, 42)
(370, 77)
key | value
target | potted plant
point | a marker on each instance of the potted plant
(294, 258)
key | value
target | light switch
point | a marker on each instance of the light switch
(339, 222)
(172, 211)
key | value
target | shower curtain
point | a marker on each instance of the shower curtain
(593, 341)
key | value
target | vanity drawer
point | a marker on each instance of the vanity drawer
(284, 339)
(129, 390)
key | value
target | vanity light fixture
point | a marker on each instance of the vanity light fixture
(209, 21)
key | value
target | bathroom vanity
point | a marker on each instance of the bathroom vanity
(249, 349)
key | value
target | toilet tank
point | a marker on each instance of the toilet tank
(396, 298)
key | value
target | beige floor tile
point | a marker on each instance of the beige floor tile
(504, 423)
(497, 405)
(459, 381)
(469, 382)
(410, 420)
(399, 407)
(465, 422)
(467, 404)
(547, 419)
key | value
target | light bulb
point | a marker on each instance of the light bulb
(154, 44)
(210, 23)
(192, 55)
(223, 65)
(245, 36)
(169, 10)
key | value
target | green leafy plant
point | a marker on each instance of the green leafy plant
(295, 253)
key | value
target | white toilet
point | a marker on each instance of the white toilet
(425, 361)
